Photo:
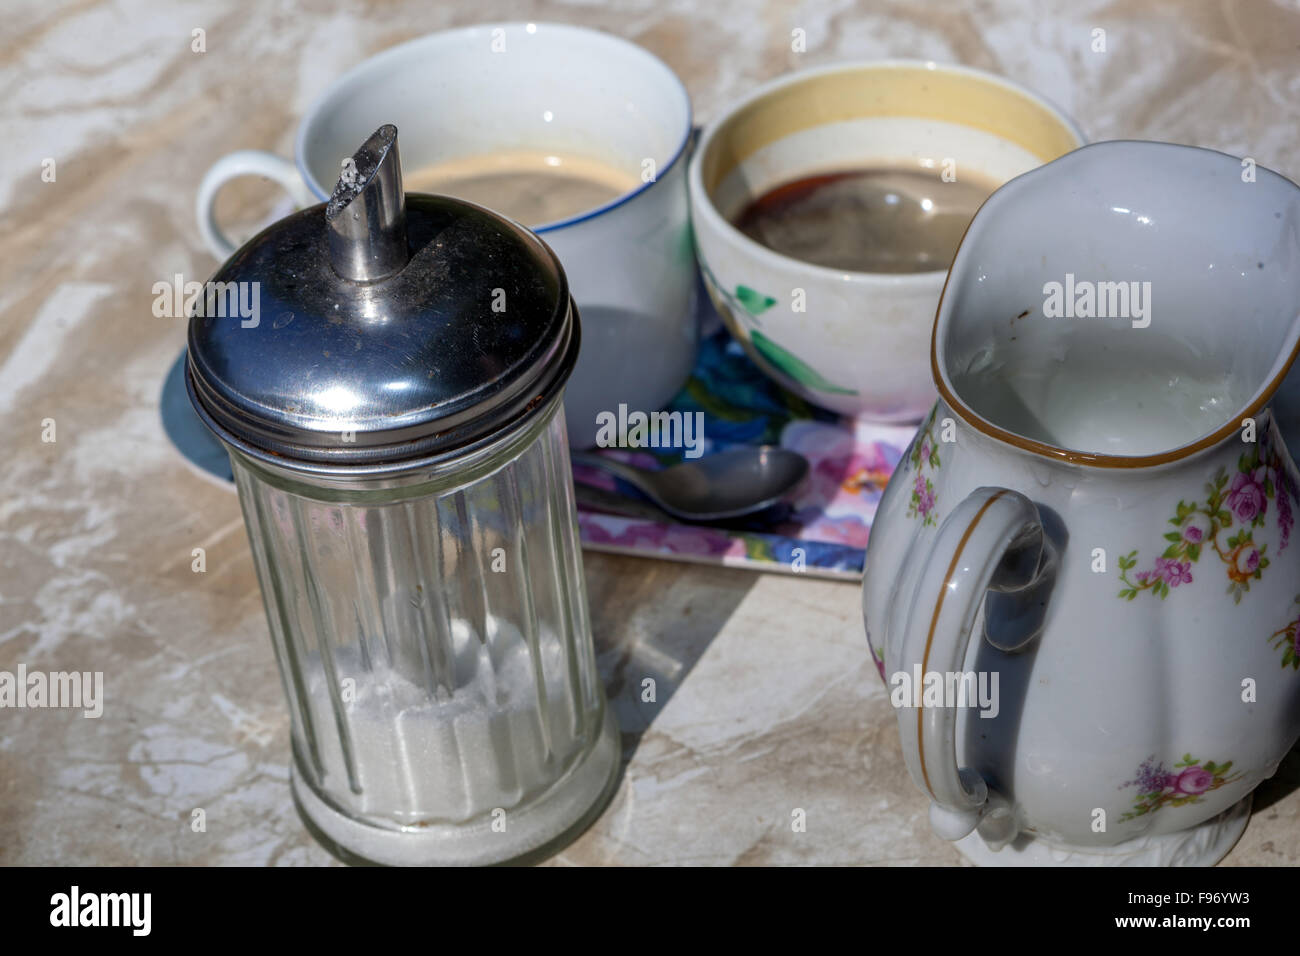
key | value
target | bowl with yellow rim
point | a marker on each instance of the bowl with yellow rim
(856, 342)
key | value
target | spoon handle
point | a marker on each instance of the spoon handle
(633, 476)
(590, 498)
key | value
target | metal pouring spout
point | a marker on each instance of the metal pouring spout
(367, 212)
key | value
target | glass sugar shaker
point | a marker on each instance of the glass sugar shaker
(394, 421)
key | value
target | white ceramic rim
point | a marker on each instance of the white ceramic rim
(384, 60)
(1204, 444)
(704, 204)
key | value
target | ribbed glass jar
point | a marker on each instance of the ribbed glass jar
(435, 647)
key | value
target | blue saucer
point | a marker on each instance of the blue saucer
(187, 432)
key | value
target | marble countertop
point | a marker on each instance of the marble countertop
(771, 701)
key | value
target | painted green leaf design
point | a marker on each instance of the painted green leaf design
(757, 549)
(794, 366)
(755, 303)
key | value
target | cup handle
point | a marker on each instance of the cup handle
(244, 162)
(992, 541)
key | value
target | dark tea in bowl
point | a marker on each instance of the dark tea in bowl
(898, 218)
(828, 205)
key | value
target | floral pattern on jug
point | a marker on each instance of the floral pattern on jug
(1238, 504)
(1287, 640)
(925, 453)
(1073, 450)
(878, 658)
(1186, 783)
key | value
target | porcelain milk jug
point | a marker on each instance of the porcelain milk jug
(1083, 581)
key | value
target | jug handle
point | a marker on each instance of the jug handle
(991, 541)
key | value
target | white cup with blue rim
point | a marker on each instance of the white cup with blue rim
(534, 86)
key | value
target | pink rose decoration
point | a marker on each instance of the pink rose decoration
(1247, 560)
(1196, 527)
(1194, 781)
(1247, 498)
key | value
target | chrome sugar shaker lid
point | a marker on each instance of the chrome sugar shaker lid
(385, 328)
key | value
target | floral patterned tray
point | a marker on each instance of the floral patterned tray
(823, 532)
